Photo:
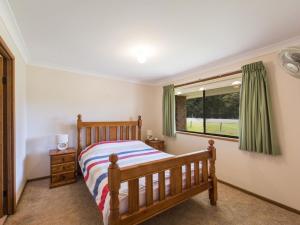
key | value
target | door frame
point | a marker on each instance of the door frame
(9, 71)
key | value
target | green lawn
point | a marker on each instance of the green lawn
(215, 127)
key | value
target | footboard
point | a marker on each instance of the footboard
(197, 180)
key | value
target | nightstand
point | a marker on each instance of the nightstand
(62, 167)
(159, 144)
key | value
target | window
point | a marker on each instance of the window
(209, 109)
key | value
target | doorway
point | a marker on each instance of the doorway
(7, 154)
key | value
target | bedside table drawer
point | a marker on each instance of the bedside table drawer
(58, 159)
(158, 146)
(64, 177)
(65, 167)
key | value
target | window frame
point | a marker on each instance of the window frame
(204, 124)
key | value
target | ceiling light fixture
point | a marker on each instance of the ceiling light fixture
(179, 92)
(202, 89)
(141, 59)
(142, 53)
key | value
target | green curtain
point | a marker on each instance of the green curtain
(169, 111)
(257, 133)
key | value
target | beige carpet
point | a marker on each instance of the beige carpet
(73, 205)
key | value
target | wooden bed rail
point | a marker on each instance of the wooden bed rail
(180, 189)
(140, 170)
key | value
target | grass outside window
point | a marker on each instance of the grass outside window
(213, 112)
(213, 126)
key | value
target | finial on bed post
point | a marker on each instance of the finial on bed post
(79, 118)
(114, 186)
(213, 195)
(139, 127)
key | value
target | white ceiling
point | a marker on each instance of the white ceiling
(95, 36)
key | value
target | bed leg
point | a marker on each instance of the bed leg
(114, 186)
(213, 194)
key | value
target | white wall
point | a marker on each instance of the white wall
(276, 178)
(54, 98)
(20, 109)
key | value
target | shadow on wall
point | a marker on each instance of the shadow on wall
(37, 157)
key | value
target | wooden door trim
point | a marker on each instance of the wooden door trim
(9, 70)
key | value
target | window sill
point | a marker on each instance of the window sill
(209, 136)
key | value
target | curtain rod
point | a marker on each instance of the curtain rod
(209, 78)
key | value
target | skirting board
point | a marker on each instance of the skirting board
(261, 197)
(38, 178)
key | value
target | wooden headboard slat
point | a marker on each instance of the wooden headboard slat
(97, 134)
(127, 133)
(133, 132)
(88, 136)
(113, 133)
(105, 130)
(104, 134)
(121, 132)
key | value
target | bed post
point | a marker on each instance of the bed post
(114, 186)
(78, 134)
(139, 128)
(213, 194)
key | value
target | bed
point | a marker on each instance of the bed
(132, 182)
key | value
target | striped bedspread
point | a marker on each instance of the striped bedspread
(94, 162)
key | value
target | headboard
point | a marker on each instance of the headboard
(93, 132)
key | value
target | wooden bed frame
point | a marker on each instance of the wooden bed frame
(131, 130)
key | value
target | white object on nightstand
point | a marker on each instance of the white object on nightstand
(62, 141)
(149, 135)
